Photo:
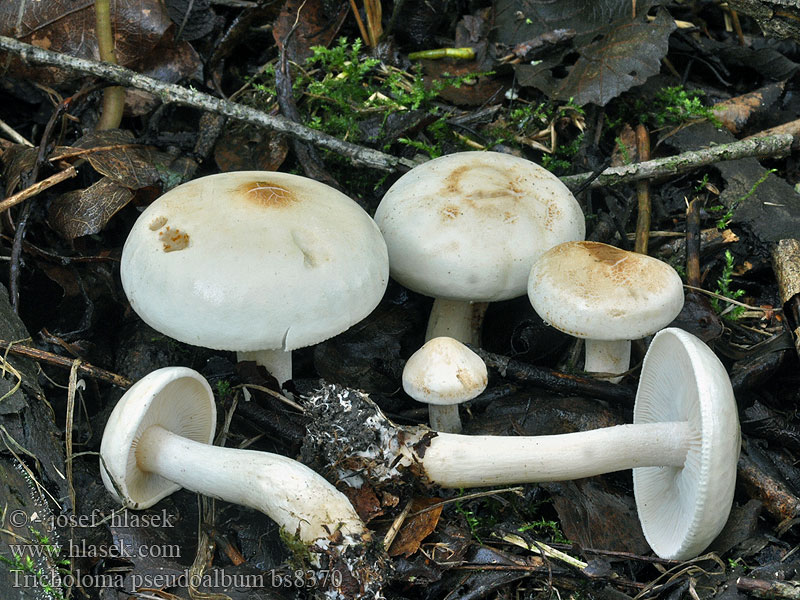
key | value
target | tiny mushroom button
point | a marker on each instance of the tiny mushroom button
(256, 262)
(466, 228)
(443, 374)
(605, 295)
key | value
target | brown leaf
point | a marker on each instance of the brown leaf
(315, 26)
(84, 212)
(68, 27)
(365, 502)
(417, 527)
(625, 151)
(242, 150)
(17, 160)
(121, 159)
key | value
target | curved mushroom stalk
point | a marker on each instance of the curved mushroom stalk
(683, 447)
(158, 440)
(291, 494)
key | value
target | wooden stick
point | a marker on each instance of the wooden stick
(37, 187)
(62, 361)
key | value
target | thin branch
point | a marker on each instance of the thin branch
(187, 97)
(38, 187)
(761, 147)
(61, 361)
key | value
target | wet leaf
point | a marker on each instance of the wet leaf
(121, 159)
(365, 501)
(68, 27)
(84, 212)
(315, 26)
(194, 18)
(17, 160)
(416, 528)
(622, 56)
(242, 150)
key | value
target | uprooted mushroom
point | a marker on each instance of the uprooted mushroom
(683, 447)
(158, 440)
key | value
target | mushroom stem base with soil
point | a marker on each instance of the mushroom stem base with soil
(291, 494)
(457, 319)
(278, 363)
(607, 356)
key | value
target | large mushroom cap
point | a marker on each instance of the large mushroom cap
(445, 372)
(176, 398)
(683, 509)
(596, 291)
(468, 226)
(254, 260)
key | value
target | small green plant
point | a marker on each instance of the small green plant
(472, 521)
(543, 527)
(300, 556)
(674, 106)
(223, 388)
(26, 566)
(733, 312)
(726, 218)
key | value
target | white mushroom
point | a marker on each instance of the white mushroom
(466, 228)
(683, 448)
(607, 296)
(443, 374)
(257, 262)
(158, 440)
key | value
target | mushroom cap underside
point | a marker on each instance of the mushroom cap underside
(176, 398)
(683, 509)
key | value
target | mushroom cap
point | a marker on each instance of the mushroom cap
(444, 371)
(254, 260)
(468, 226)
(683, 509)
(596, 291)
(176, 398)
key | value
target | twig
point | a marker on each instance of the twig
(174, 93)
(38, 187)
(61, 361)
(555, 381)
(16, 137)
(762, 147)
(768, 588)
(396, 525)
(642, 193)
(113, 96)
(72, 391)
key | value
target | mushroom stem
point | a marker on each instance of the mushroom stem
(607, 356)
(278, 363)
(454, 461)
(457, 319)
(444, 417)
(291, 494)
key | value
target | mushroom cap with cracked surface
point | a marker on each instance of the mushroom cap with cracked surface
(254, 260)
(600, 292)
(468, 226)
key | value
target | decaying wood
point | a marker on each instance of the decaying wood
(786, 264)
(555, 381)
(642, 193)
(762, 147)
(768, 588)
(167, 92)
(711, 240)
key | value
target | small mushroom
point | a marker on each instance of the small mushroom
(257, 262)
(443, 374)
(158, 440)
(607, 296)
(466, 228)
(683, 447)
